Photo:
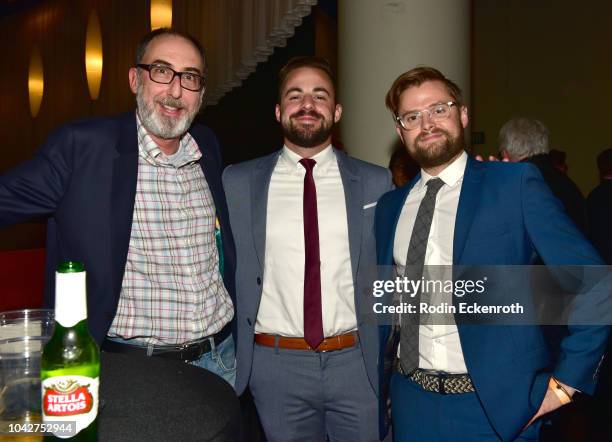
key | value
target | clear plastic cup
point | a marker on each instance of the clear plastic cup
(26, 323)
(23, 334)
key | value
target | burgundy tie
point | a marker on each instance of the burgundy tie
(313, 319)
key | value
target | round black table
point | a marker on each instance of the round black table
(153, 399)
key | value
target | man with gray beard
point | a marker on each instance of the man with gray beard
(138, 199)
(302, 219)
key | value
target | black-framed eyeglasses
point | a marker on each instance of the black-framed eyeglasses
(163, 74)
(436, 112)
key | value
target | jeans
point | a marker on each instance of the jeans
(220, 360)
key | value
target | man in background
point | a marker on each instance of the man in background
(526, 140)
(599, 216)
(558, 159)
(599, 207)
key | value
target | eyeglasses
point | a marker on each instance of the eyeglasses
(437, 112)
(163, 74)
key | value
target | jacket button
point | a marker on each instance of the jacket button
(258, 280)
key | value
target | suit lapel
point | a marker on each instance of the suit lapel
(468, 200)
(353, 197)
(260, 184)
(123, 193)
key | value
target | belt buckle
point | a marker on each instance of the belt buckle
(182, 349)
(441, 378)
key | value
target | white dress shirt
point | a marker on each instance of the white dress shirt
(281, 310)
(439, 345)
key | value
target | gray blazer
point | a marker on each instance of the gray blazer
(246, 186)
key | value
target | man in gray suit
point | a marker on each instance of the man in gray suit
(302, 220)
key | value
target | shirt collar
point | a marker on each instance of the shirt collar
(451, 175)
(324, 159)
(188, 151)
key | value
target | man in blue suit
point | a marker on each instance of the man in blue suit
(137, 199)
(302, 219)
(462, 382)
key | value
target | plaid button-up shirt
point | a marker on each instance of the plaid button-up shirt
(172, 291)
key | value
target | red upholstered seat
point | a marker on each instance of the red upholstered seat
(22, 276)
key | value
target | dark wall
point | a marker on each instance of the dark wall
(244, 119)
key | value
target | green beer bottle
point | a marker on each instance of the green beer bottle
(70, 363)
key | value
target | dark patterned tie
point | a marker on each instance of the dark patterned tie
(313, 318)
(409, 332)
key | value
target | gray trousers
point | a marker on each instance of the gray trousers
(306, 396)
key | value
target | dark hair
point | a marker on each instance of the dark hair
(403, 167)
(305, 62)
(557, 157)
(604, 162)
(144, 43)
(416, 77)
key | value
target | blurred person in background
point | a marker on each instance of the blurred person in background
(599, 208)
(526, 140)
(558, 158)
(403, 167)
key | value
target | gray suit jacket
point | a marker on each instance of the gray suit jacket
(246, 186)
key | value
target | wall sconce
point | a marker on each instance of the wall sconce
(93, 55)
(36, 83)
(161, 14)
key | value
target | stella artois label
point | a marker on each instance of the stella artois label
(70, 398)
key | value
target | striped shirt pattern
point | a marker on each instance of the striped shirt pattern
(172, 291)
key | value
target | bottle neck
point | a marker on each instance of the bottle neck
(70, 298)
(79, 327)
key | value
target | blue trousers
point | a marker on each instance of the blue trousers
(306, 396)
(423, 416)
(221, 360)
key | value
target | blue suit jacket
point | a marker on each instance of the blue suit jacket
(247, 185)
(507, 216)
(84, 179)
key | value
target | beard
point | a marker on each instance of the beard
(163, 126)
(439, 152)
(307, 135)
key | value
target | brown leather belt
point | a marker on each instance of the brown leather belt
(328, 344)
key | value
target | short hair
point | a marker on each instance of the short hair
(144, 43)
(416, 77)
(523, 138)
(307, 61)
(604, 162)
